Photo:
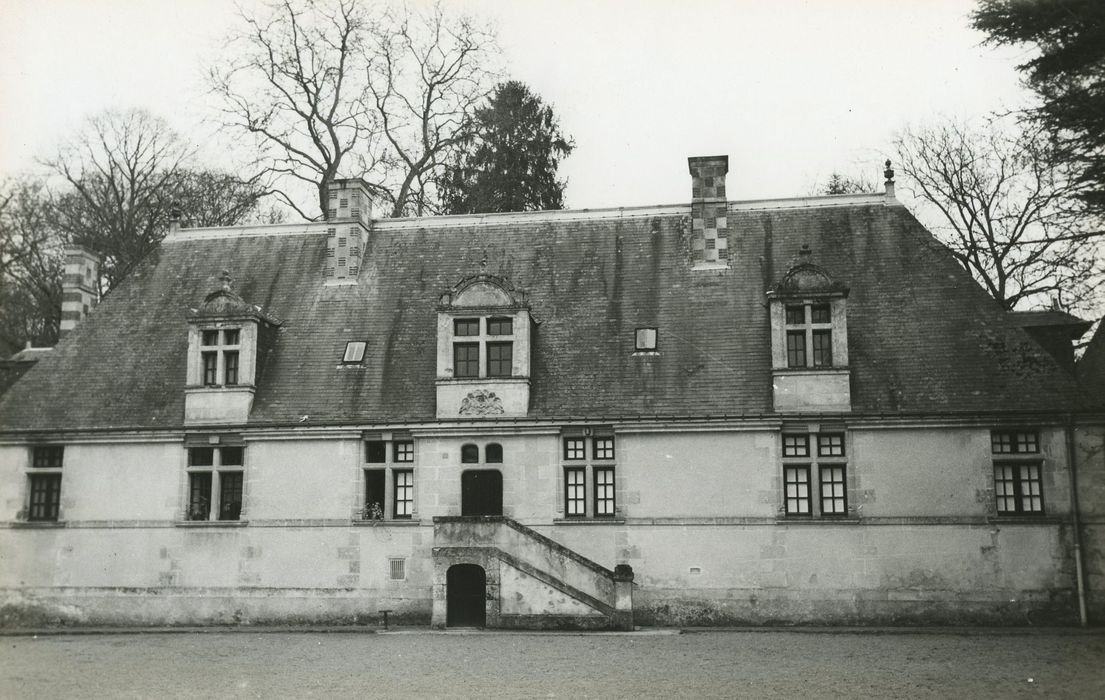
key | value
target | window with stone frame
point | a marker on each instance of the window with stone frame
(589, 485)
(482, 347)
(809, 335)
(1018, 472)
(388, 479)
(215, 483)
(219, 356)
(809, 456)
(44, 483)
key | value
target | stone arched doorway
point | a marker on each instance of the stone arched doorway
(466, 596)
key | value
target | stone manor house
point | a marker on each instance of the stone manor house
(714, 412)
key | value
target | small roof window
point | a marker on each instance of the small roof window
(354, 352)
(646, 340)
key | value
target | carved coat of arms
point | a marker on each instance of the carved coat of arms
(481, 403)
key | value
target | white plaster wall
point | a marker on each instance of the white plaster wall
(302, 479)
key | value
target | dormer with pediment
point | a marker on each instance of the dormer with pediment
(224, 334)
(483, 350)
(809, 340)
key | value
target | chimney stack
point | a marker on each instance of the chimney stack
(78, 287)
(709, 211)
(349, 213)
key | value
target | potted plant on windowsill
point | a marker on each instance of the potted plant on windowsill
(372, 512)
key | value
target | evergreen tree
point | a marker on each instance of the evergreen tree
(511, 159)
(1068, 73)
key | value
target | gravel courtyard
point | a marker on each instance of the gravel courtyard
(715, 664)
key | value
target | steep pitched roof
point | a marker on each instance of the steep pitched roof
(1091, 367)
(923, 337)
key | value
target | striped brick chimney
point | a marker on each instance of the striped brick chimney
(349, 215)
(709, 210)
(78, 287)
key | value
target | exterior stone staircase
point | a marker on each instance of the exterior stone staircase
(532, 582)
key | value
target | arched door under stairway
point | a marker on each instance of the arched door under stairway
(466, 596)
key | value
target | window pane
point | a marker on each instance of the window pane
(47, 456)
(466, 326)
(819, 313)
(646, 340)
(376, 452)
(796, 315)
(822, 348)
(404, 451)
(231, 456)
(796, 348)
(604, 492)
(494, 453)
(574, 448)
(230, 360)
(575, 492)
(404, 494)
(374, 494)
(797, 489)
(830, 445)
(796, 446)
(1001, 443)
(230, 336)
(201, 456)
(500, 326)
(499, 359)
(833, 501)
(466, 360)
(604, 448)
(199, 495)
(230, 495)
(210, 337)
(45, 497)
(469, 454)
(210, 368)
(354, 352)
(1027, 442)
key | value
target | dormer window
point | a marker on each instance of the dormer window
(224, 333)
(483, 349)
(809, 340)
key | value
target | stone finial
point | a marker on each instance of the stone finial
(889, 175)
(174, 217)
(227, 280)
(804, 253)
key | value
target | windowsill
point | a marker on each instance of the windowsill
(817, 520)
(396, 522)
(211, 523)
(213, 388)
(1024, 520)
(646, 353)
(811, 370)
(589, 521)
(37, 524)
(514, 378)
(709, 266)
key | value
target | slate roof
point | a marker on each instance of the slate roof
(1052, 318)
(923, 337)
(1091, 367)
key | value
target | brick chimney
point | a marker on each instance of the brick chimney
(709, 211)
(349, 213)
(78, 287)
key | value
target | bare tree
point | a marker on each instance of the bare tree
(121, 171)
(427, 74)
(295, 80)
(1006, 208)
(30, 266)
(330, 92)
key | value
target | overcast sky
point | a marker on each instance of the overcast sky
(790, 90)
